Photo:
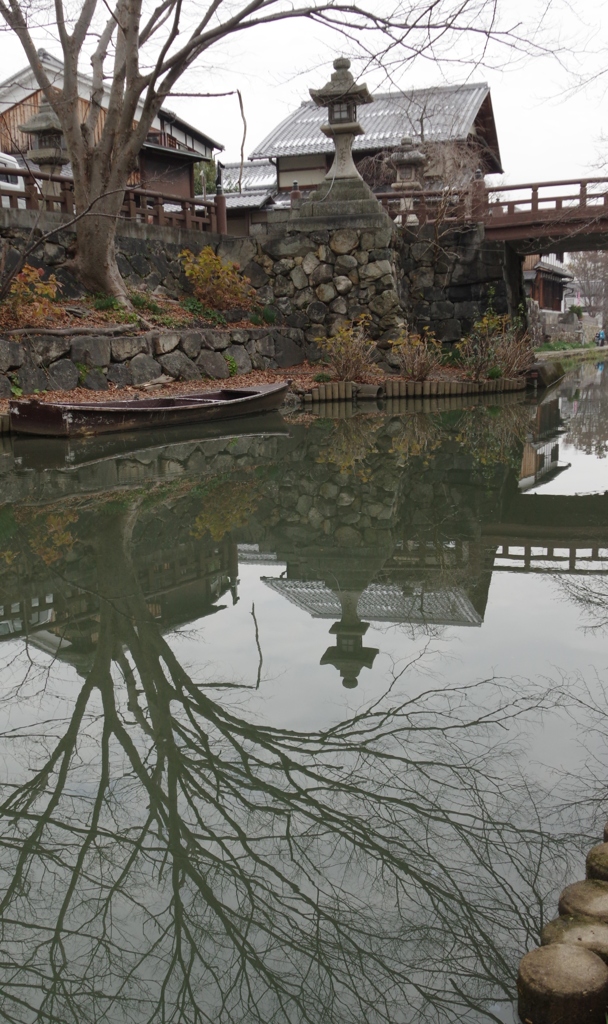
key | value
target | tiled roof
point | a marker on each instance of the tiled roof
(381, 602)
(261, 175)
(248, 200)
(244, 200)
(438, 115)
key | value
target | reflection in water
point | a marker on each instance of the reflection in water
(170, 854)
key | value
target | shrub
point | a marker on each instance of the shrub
(578, 310)
(30, 296)
(496, 343)
(192, 305)
(216, 284)
(105, 302)
(144, 302)
(349, 352)
(514, 352)
(232, 367)
(269, 315)
(418, 355)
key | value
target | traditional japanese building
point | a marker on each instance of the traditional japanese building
(440, 119)
(167, 157)
(545, 278)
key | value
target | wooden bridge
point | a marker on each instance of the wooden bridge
(550, 216)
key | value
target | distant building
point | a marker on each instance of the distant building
(545, 279)
(457, 114)
(167, 157)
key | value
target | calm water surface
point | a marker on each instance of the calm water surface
(302, 724)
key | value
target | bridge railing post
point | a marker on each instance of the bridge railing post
(583, 193)
(479, 200)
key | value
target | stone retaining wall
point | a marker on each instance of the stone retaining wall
(48, 362)
(451, 277)
(319, 280)
(313, 280)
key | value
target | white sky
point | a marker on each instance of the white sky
(547, 127)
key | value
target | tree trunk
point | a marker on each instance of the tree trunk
(96, 249)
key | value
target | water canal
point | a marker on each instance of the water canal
(306, 723)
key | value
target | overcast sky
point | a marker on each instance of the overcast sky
(547, 128)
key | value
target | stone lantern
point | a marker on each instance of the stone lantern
(341, 95)
(409, 161)
(48, 152)
(349, 655)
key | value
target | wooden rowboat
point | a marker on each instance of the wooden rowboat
(79, 419)
(73, 453)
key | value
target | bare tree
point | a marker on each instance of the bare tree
(138, 54)
(590, 270)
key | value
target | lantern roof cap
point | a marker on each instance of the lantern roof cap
(341, 86)
(407, 154)
(45, 120)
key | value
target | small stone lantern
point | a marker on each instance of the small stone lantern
(349, 655)
(49, 152)
(408, 161)
(341, 96)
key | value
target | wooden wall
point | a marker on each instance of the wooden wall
(15, 142)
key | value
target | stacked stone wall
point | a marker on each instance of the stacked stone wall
(315, 280)
(450, 278)
(57, 363)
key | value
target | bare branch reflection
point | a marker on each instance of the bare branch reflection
(165, 858)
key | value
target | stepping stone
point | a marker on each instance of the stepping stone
(582, 932)
(585, 899)
(562, 984)
(597, 862)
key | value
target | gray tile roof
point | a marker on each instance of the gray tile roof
(262, 175)
(245, 200)
(439, 114)
(248, 200)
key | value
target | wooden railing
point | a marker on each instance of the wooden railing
(556, 205)
(146, 206)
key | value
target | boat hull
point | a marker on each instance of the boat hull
(81, 419)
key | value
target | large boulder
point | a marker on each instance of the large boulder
(178, 366)
(32, 379)
(256, 274)
(12, 355)
(144, 368)
(63, 375)
(126, 347)
(191, 342)
(212, 364)
(287, 351)
(324, 272)
(120, 375)
(217, 340)
(95, 380)
(5, 387)
(344, 240)
(47, 348)
(241, 358)
(91, 351)
(165, 342)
